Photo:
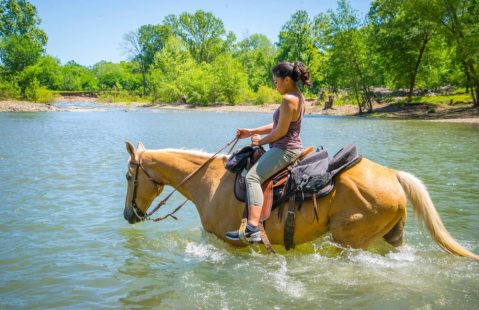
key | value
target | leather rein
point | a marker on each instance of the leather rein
(142, 216)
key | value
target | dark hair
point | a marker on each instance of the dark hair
(296, 71)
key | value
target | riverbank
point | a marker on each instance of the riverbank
(462, 113)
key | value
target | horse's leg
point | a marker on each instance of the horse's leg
(360, 216)
(395, 236)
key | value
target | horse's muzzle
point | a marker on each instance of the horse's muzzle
(130, 215)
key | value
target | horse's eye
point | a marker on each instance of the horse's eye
(128, 176)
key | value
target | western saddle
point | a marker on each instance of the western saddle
(283, 187)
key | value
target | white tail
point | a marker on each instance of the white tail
(424, 209)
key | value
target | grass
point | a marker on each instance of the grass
(443, 99)
(122, 97)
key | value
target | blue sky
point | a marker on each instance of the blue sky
(92, 30)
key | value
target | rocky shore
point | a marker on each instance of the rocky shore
(444, 113)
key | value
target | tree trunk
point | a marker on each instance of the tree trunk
(474, 84)
(416, 68)
(143, 74)
(469, 70)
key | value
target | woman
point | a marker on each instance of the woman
(283, 138)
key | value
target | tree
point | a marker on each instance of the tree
(256, 54)
(78, 78)
(348, 56)
(296, 39)
(203, 33)
(171, 70)
(19, 18)
(17, 53)
(230, 81)
(47, 72)
(143, 44)
(401, 37)
(21, 41)
(458, 22)
(116, 76)
(297, 43)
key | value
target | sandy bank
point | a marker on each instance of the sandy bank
(441, 113)
(25, 106)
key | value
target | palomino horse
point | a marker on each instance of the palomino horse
(368, 202)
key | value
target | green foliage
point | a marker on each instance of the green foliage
(117, 76)
(295, 39)
(409, 45)
(299, 40)
(19, 18)
(121, 96)
(171, 71)
(203, 34)
(256, 54)
(46, 70)
(21, 41)
(35, 92)
(9, 90)
(77, 77)
(414, 44)
(17, 53)
(349, 63)
(229, 79)
(142, 45)
(266, 94)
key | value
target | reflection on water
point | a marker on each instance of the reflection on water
(64, 237)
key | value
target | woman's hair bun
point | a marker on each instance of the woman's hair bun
(296, 71)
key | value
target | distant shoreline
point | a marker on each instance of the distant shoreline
(439, 113)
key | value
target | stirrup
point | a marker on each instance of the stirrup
(242, 230)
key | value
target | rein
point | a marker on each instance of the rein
(140, 214)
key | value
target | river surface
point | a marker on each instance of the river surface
(65, 244)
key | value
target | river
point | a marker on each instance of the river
(65, 244)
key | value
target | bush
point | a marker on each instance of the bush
(45, 95)
(267, 95)
(34, 92)
(9, 90)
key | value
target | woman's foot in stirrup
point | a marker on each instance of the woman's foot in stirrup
(251, 234)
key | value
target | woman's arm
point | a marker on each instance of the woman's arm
(246, 133)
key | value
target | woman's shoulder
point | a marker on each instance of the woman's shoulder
(293, 99)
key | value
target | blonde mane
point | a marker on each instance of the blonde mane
(191, 152)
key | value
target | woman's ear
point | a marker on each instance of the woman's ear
(288, 79)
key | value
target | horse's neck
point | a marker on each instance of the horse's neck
(173, 166)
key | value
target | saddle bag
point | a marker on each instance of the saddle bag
(316, 172)
(239, 160)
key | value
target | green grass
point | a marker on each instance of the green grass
(122, 97)
(446, 99)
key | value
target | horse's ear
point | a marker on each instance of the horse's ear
(141, 147)
(130, 148)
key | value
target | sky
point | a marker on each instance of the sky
(89, 31)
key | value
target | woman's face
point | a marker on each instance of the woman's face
(282, 84)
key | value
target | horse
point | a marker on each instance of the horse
(367, 204)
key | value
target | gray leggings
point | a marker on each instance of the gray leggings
(271, 162)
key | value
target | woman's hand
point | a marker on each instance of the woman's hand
(255, 139)
(242, 133)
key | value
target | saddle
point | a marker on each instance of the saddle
(273, 188)
(310, 176)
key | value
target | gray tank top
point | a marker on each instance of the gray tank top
(292, 139)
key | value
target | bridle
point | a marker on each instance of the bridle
(138, 213)
(142, 216)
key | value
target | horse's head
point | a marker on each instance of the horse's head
(143, 188)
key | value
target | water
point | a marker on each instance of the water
(65, 243)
